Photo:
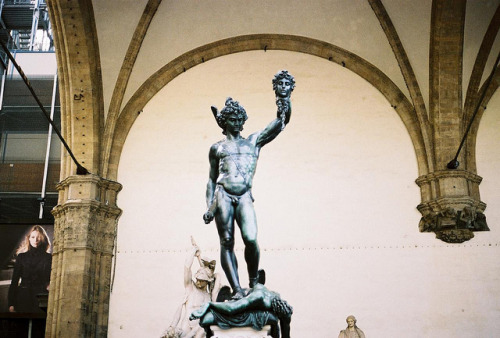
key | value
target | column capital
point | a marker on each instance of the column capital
(88, 187)
(451, 207)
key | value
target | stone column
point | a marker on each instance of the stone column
(84, 236)
(451, 205)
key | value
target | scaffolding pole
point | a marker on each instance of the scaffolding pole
(2, 87)
(34, 24)
(47, 152)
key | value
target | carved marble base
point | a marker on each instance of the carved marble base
(240, 332)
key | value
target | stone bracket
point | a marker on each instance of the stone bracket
(451, 207)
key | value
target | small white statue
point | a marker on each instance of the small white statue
(352, 330)
(201, 289)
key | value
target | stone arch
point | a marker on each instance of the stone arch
(80, 82)
(264, 42)
(470, 154)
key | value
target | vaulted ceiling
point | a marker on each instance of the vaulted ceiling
(124, 51)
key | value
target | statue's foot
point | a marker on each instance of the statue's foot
(261, 278)
(238, 294)
(253, 282)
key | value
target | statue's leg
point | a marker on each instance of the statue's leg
(274, 322)
(209, 333)
(285, 327)
(247, 221)
(205, 322)
(224, 218)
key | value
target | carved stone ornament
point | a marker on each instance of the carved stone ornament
(452, 226)
(451, 207)
(454, 235)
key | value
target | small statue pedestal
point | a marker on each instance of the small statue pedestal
(240, 332)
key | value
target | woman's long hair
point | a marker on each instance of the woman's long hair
(44, 244)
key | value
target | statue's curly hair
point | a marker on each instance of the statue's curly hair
(231, 107)
(283, 75)
(281, 308)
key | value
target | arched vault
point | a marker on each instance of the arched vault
(356, 64)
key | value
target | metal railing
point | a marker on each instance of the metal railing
(24, 2)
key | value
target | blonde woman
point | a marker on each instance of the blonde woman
(31, 274)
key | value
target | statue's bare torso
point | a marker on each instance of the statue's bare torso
(237, 164)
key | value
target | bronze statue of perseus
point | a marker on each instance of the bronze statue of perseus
(233, 161)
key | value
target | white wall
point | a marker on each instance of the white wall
(488, 159)
(335, 200)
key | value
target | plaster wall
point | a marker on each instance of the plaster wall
(180, 26)
(488, 160)
(335, 199)
(474, 32)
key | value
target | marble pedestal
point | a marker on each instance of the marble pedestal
(240, 332)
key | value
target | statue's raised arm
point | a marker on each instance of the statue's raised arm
(283, 85)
